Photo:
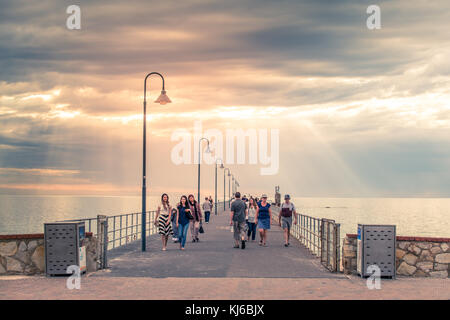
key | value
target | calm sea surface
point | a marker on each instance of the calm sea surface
(412, 216)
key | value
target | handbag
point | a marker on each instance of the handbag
(201, 230)
(189, 215)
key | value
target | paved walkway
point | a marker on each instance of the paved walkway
(352, 288)
(214, 256)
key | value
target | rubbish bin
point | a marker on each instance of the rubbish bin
(63, 247)
(376, 247)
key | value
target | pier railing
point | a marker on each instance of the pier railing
(330, 252)
(121, 229)
(319, 235)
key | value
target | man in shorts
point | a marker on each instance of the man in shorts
(285, 218)
(237, 220)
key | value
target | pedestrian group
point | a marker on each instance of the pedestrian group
(246, 216)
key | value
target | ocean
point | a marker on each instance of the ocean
(412, 216)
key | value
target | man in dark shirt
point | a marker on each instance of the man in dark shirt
(237, 220)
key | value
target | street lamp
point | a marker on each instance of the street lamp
(207, 151)
(224, 187)
(232, 187)
(229, 189)
(162, 99)
(215, 184)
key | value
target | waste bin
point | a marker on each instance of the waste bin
(63, 247)
(376, 247)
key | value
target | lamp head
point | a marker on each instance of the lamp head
(208, 150)
(163, 98)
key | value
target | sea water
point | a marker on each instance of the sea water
(412, 216)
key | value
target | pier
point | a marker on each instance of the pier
(214, 256)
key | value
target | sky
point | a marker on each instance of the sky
(359, 112)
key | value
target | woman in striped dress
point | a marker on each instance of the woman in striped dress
(162, 220)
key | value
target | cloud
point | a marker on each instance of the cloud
(71, 101)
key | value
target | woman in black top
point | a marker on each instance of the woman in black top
(183, 215)
(197, 214)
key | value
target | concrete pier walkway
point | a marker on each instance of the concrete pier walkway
(214, 256)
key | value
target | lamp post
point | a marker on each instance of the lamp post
(162, 99)
(224, 187)
(232, 187)
(207, 151)
(229, 189)
(215, 184)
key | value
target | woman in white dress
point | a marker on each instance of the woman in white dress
(162, 220)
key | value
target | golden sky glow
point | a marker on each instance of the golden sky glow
(360, 112)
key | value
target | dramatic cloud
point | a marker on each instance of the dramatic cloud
(360, 112)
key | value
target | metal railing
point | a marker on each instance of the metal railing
(319, 235)
(330, 235)
(123, 228)
(126, 228)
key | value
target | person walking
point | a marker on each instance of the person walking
(197, 214)
(183, 218)
(162, 220)
(212, 203)
(237, 220)
(206, 206)
(263, 218)
(174, 219)
(285, 218)
(251, 215)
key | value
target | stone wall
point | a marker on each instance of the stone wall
(349, 255)
(415, 256)
(92, 256)
(22, 254)
(25, 253)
